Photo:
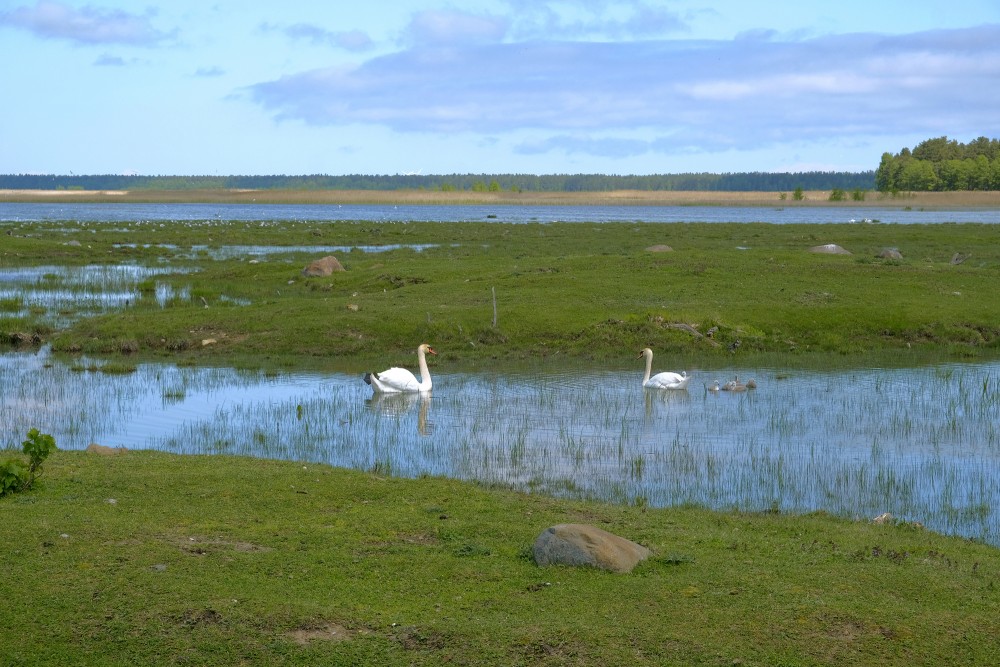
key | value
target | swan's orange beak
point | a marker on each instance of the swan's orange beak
(431, 350)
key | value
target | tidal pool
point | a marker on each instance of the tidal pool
(920, 443)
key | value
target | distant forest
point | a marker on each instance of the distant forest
(741, 182)
(941, 164)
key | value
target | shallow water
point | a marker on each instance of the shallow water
(510, 213)
(920, 443)
(67, 293)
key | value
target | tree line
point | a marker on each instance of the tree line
(740, 182)
(941, 164)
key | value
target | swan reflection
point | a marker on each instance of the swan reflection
(400, 405)
(655, 398)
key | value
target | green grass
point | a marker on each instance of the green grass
(150, 558)
(578, 289)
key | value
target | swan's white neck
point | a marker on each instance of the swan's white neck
(649, 365)
(425, 374)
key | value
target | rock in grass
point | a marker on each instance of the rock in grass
(890, 253)
(659, 248)
(322, 267)
(104, 450)
(582, 545)
(829, 249)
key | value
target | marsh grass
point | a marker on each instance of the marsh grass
(578, 289)
(151, 558)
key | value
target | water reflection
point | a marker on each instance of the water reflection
(920, 443)
(401, 405)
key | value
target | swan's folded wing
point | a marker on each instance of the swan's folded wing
(395, 379)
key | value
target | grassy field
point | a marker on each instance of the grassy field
(576, 290)
(149, 558)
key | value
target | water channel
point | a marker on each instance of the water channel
(920, 443)
(509, 213)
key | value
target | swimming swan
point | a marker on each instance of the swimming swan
(665, 380)
(396, 380)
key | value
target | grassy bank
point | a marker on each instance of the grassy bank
(149, 558)
(485, 290)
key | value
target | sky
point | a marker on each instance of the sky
(247, 87)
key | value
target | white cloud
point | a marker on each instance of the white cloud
(88, 25)
(350, 40)
(436, 28)
(728, 95)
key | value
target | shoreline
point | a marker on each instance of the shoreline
(812, 198)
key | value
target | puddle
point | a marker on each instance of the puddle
(262, 251)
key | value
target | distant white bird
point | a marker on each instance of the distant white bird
(664, 380)
(396, 380)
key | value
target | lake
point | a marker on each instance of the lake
(920, 443)
(510, 213)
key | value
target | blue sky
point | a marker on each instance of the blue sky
(222, 87)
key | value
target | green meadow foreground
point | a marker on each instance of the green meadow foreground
(149, 558)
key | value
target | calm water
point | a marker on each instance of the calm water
(920, 443)
(11, 212)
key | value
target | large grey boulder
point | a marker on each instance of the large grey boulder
(582, 545)
(322, 267)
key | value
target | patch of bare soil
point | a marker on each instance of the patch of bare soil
(328, 632)
(204, 545)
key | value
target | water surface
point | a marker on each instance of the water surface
(921, 443)
(510, 213)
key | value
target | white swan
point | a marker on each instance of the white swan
(665, 380)
(396, 380)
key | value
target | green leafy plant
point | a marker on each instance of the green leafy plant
(14, 475)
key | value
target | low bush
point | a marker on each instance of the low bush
(15, 475)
